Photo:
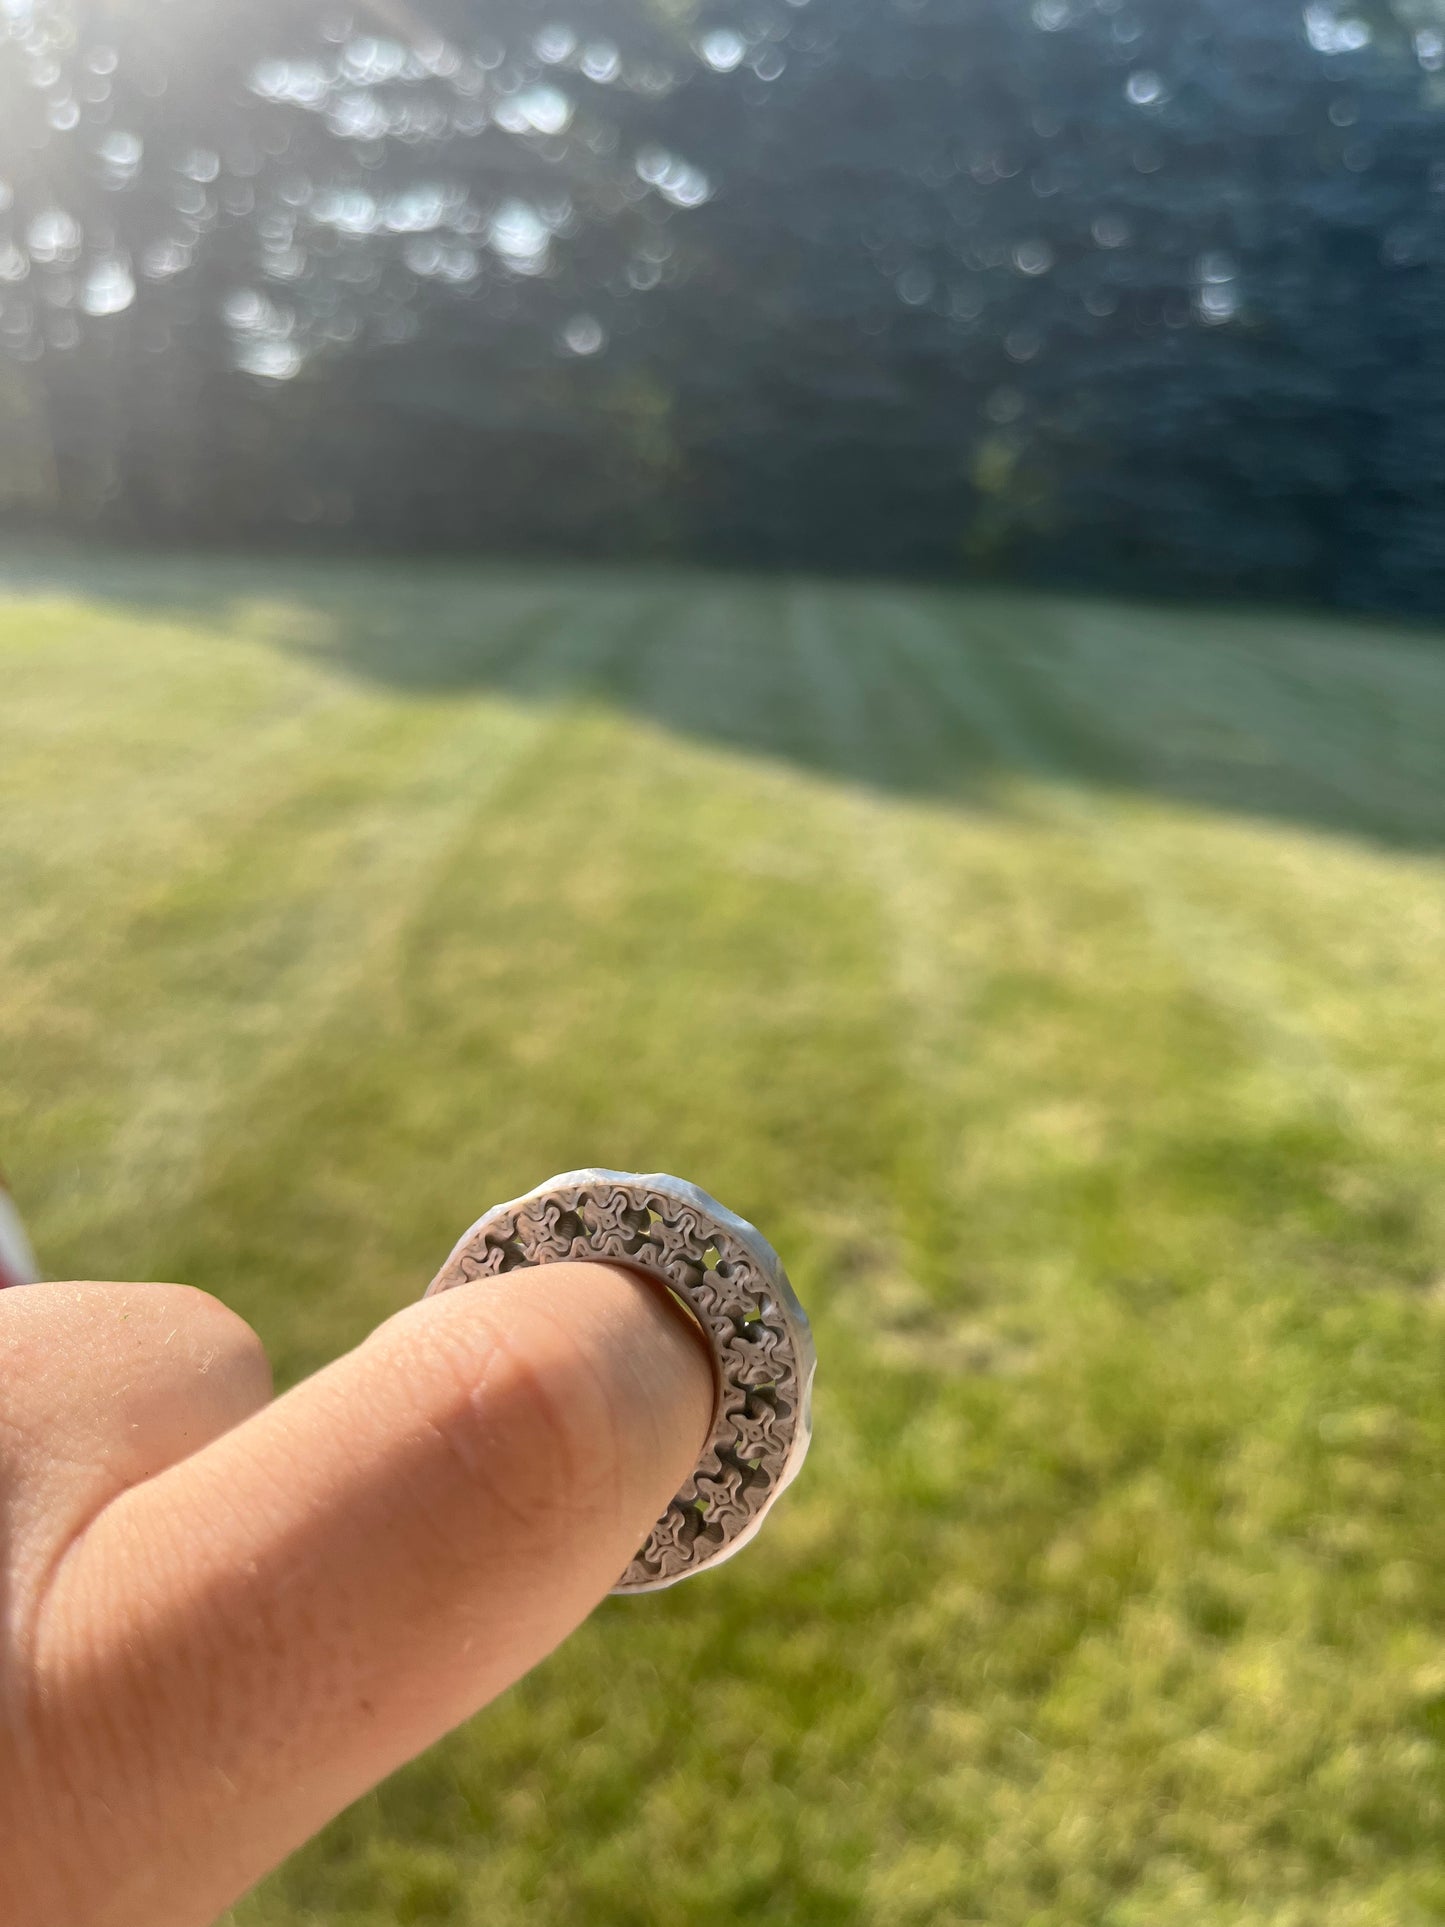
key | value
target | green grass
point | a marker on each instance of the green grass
(1060, 985)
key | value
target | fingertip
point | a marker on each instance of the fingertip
(600, 1379)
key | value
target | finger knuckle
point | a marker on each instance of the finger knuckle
(224, 1344)
(526, 1426)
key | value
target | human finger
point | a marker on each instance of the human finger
(279, 1620)
(102, 1386)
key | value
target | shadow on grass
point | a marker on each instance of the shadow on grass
(1330, 723)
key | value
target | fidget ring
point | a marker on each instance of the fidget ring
(732, 1281)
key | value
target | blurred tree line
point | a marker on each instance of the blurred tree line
(1132, 292)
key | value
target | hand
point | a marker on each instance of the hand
(224, 1617)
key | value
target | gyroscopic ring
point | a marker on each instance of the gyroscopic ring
(731, 1279)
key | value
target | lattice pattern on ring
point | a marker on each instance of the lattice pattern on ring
(762, 1394)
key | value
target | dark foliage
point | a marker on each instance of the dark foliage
(1141, 292)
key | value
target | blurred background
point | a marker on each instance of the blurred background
(846, 598)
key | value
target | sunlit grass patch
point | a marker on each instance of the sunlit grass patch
(1058, 985)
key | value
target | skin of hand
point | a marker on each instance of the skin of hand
(225, 1616)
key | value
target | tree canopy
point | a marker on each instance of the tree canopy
(1114, 291)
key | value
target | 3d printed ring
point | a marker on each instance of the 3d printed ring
(733, 1282)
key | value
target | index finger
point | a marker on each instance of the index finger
(274, 1624)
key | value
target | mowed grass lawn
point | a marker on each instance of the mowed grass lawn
(1061, 985)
